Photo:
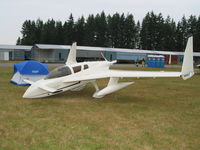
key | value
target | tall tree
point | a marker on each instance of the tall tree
(39, 29)
(28, 33)
(59, 35)
(100, 30)
(114, 30)
(181, 34)
(118, 30)
(129, 30)
(197, 44)
(18, 41)
(169, 29)
(137, 36)
(193, 30)
(152, 32)
(89, 38)
(48, 33)
(69, 31)
(79, 28)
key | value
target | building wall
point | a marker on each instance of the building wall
(60, 55)
(131, 56)
(110, 55)
(41, 55)
(18, 55)
(14, 54)
(174, 59)
(4, 55)
(89, 54)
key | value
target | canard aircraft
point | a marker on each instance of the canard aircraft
(75, 76)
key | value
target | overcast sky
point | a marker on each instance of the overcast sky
(14, 12)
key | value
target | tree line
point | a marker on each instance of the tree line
(118, 30)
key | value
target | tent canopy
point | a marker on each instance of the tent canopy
(31, 68)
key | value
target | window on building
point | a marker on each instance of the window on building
(60, 56)
(86, 67)
(59, 72)
(76, 69)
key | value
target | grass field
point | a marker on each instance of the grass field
(152, 114)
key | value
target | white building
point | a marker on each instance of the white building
(14, 52)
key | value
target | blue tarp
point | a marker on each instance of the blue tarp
(31, 68)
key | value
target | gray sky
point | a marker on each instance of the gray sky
(14, 12)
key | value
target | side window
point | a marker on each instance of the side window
(86, 67)
(76, 69)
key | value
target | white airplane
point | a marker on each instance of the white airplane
(75, 76)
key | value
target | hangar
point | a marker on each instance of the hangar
(14, 52)
(58, 53)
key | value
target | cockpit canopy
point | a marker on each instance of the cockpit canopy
(64, 71)
(59, 72)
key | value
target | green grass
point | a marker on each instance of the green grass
(152, 114)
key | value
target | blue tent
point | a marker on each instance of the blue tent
(30, 70)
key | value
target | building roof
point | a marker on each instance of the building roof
(51, 46)
(15, 47)
(90, 48)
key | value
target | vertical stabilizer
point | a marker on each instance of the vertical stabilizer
(72, 55)
(187, 67)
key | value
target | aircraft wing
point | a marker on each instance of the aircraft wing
(187, 70)
(124, 74)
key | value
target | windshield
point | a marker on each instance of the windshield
(59, 72)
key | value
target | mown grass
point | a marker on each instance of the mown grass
(152, 114)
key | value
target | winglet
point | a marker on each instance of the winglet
(72, 55)
(188, 68)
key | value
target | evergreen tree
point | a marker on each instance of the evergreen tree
(179, 38)
(193, 30)
(28, 33)
(114, 30)
(145, 34)
(59, 34)
(48, 32)
(169, 34)
(137, 36)
(90, 35)
(38, 32)
(80, 31)
(18, 41)
(197, 43)
(154, 33)
(69, 31)
(100, 30)
(129, 32)
(181, 34)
